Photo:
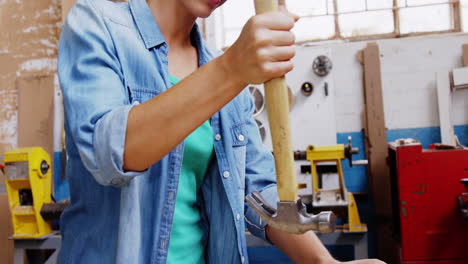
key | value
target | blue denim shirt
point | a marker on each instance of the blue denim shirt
(113, 56)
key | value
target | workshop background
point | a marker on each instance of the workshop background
(375, 70)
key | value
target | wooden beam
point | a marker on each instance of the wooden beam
(6, 230)
(336, 20)
(465, 55)
(36, 112)
(456, 15)
(396, 18)
(376, 148)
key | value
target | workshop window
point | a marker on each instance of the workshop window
(464, 15)
(427, 16)
(364, 17)
(345, 19)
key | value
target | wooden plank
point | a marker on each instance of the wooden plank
(456, 14)
(444, 99)
(335, 17)
(376, 147)
(36, 112)
(6, 230)
(465, 55)
(396, 18)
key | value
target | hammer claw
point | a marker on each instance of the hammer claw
(256, 201)
(263, 203)
(291, 217)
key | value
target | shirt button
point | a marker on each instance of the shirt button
(240, 137)
(226, 174)
(218, 137)
(242, 259)
(238, 217)
(171, 196)
(136, 103)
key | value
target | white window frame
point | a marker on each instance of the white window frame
(214, 25)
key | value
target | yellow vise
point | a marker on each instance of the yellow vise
(334, 199)
(28, 184)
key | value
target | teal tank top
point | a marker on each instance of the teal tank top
(185, 243)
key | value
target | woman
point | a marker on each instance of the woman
(156, 174)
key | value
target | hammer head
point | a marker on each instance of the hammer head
(291, 217)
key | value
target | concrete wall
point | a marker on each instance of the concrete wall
(28, 50)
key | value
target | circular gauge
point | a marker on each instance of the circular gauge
(259, 99)
(322, 65)
(261, 129)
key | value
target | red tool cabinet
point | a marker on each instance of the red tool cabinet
(425, 186)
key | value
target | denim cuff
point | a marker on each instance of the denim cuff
(109, 144)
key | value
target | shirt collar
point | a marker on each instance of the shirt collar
(146, 24)
(204, 54)
(152, 36)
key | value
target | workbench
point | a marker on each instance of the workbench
(52, 241)
(356, 239)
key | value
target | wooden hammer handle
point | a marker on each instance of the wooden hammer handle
(276, 94)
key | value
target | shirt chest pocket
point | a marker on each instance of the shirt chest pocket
(139, 94)
(239, 148)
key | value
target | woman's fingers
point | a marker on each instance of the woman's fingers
(275, 21)
(282, 8)
(264, 49)
(277, 69)
(274, 54)
(282, 38)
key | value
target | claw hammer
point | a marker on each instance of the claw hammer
(290, 215)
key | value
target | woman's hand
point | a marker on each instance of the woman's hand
(264, 49)
(306, 248)
(364, 261)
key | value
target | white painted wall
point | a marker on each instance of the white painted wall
(312, 117)
(409, 69)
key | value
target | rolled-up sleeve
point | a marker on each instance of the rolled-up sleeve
(96, 101)
(260, 171)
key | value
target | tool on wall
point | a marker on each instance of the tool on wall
(322, 65)
(338, 200)
(29, 184)
(307, 88)
(29, 187)
(290, 215)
